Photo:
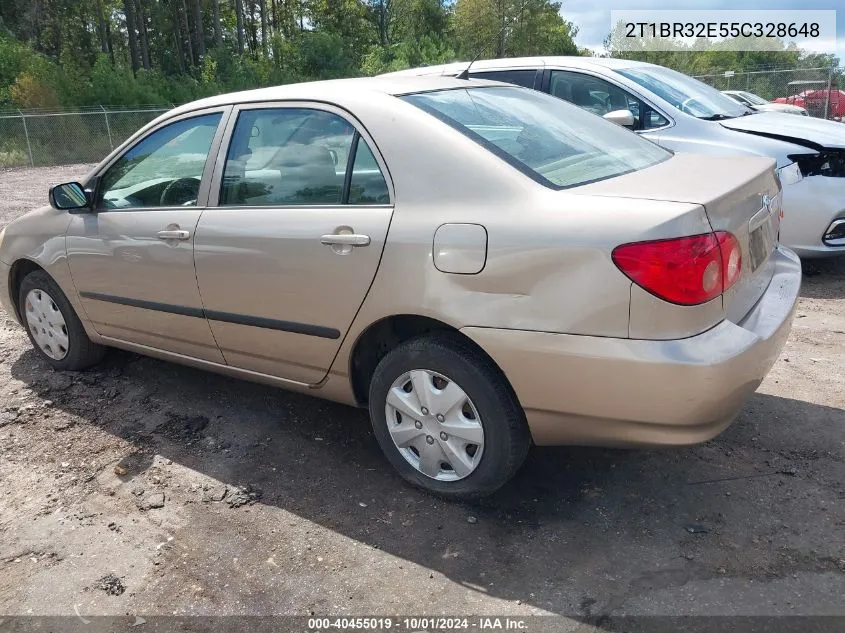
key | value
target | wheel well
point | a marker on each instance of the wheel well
(381, 337)
(20, 269)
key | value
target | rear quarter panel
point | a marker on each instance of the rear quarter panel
(548, 265)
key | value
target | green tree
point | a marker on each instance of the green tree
(124, 52)
(512, 28)
(345, 22)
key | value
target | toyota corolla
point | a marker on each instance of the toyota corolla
(482, 266)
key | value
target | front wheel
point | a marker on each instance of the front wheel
(53, 327)
(446, 418)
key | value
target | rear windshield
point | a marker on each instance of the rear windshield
(554, 142)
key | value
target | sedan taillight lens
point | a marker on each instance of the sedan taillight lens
(684, 270)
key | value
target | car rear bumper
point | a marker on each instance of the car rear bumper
(5, 297)
(625, 392)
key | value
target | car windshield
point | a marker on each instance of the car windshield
(553, 142)
(754, 99)
(685, 93)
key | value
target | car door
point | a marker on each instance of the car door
(291, 241)
(601, 96)
(132, 257)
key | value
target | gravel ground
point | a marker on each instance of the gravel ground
(146, 487)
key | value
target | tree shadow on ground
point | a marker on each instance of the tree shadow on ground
(579, 531)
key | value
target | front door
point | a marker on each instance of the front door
(132, 258)
(286, 257)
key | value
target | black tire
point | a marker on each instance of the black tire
(506, 435)
(81, 351)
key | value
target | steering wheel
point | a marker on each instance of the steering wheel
(684, 106)
(180, 192)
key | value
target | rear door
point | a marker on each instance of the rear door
(299, 211)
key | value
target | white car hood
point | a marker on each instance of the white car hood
(801, 130)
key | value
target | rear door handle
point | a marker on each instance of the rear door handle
(173, 235)
(345, 239)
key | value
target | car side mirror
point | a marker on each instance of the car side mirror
(625, 118)
(69, 196)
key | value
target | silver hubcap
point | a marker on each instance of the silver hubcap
(47, 324)
(435, 425)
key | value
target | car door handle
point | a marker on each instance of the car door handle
(173, 235)
(345, 239)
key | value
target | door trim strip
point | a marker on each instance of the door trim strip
(146, 305)
(273, 324)
(215, 315)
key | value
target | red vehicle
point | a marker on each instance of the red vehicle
(818, 101)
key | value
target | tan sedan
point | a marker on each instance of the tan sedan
(481, 265)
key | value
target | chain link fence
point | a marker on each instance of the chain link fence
(62, 137)
(817, 90)
(86, 135)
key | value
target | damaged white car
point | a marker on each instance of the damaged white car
(684, 114)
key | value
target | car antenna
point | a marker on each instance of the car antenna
(464, 74)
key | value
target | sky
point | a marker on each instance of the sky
(593, 16)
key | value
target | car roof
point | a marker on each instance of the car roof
(338, 91)
(520, 62)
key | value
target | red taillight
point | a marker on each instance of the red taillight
(684, 270)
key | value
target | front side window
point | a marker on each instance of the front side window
(162, 170)
(552, 141)
(685, 93)
(287, 156)
(600, 97)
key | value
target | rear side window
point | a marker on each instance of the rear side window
(524, 78)
(367, 185)
(553, 142)
(286, 156)
(299, 157)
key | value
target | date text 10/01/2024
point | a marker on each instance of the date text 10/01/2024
(417, 624)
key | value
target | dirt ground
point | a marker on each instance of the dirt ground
(146, 487)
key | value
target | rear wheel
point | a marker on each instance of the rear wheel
(52, 325)
(446, 418)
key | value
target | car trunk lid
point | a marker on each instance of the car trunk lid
(739, 194)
